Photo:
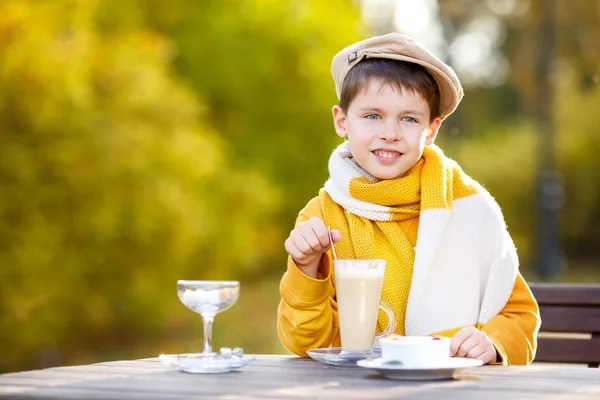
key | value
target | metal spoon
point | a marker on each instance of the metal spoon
(331, 241)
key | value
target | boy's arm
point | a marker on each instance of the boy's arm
(514, 330)
(307, 313)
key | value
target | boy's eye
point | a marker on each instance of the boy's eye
(372, 116)
(410, 119)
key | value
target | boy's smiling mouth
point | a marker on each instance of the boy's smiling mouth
(386, 155)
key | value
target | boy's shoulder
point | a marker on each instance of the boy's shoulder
(463, 185)
(311, 209)
(483, 204)
(468, 192)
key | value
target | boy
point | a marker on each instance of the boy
(452, 268)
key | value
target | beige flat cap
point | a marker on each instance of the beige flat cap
(396, 46)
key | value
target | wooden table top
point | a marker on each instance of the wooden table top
(271, 376)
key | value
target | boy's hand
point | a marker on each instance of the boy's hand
(307, 242)
(470, 342)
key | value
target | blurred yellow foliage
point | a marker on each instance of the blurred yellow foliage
(120, 174)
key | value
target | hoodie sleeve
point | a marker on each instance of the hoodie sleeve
(514, 330)
(307, 313)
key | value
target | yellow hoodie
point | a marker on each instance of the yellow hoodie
(307, 313)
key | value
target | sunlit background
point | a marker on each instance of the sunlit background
(142, 142)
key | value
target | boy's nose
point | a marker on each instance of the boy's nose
(390, 133)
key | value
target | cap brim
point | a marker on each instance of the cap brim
(449, 98)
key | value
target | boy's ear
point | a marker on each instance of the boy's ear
(339, 121)
(432, 131)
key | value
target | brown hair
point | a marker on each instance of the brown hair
(400, 75)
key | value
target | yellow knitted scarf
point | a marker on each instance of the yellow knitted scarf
(366, 212)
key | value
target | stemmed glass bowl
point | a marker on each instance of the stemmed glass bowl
(208, 298)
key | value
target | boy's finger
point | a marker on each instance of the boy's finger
(313, 243)
(477, 351)
(293, 251)
(336, 235)
(464, 349)
(307, 235)
(300, 242)
(488, 356)
(458, 339)
(468, 345)
(302, 246)
(322, 234)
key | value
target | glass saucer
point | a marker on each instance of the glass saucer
(340, 358)
(198, 363)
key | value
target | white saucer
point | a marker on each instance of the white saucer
(444, 370)
(198, 363)
(336, 356)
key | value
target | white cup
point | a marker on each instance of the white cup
(415, 351)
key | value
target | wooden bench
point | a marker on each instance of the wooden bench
(569, 308)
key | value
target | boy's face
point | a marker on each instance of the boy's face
(387, 129)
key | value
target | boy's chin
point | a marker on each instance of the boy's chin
(388, 176)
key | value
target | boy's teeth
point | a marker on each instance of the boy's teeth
(386, 154)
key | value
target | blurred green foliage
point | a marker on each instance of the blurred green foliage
(143, 142)
(496, 137)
